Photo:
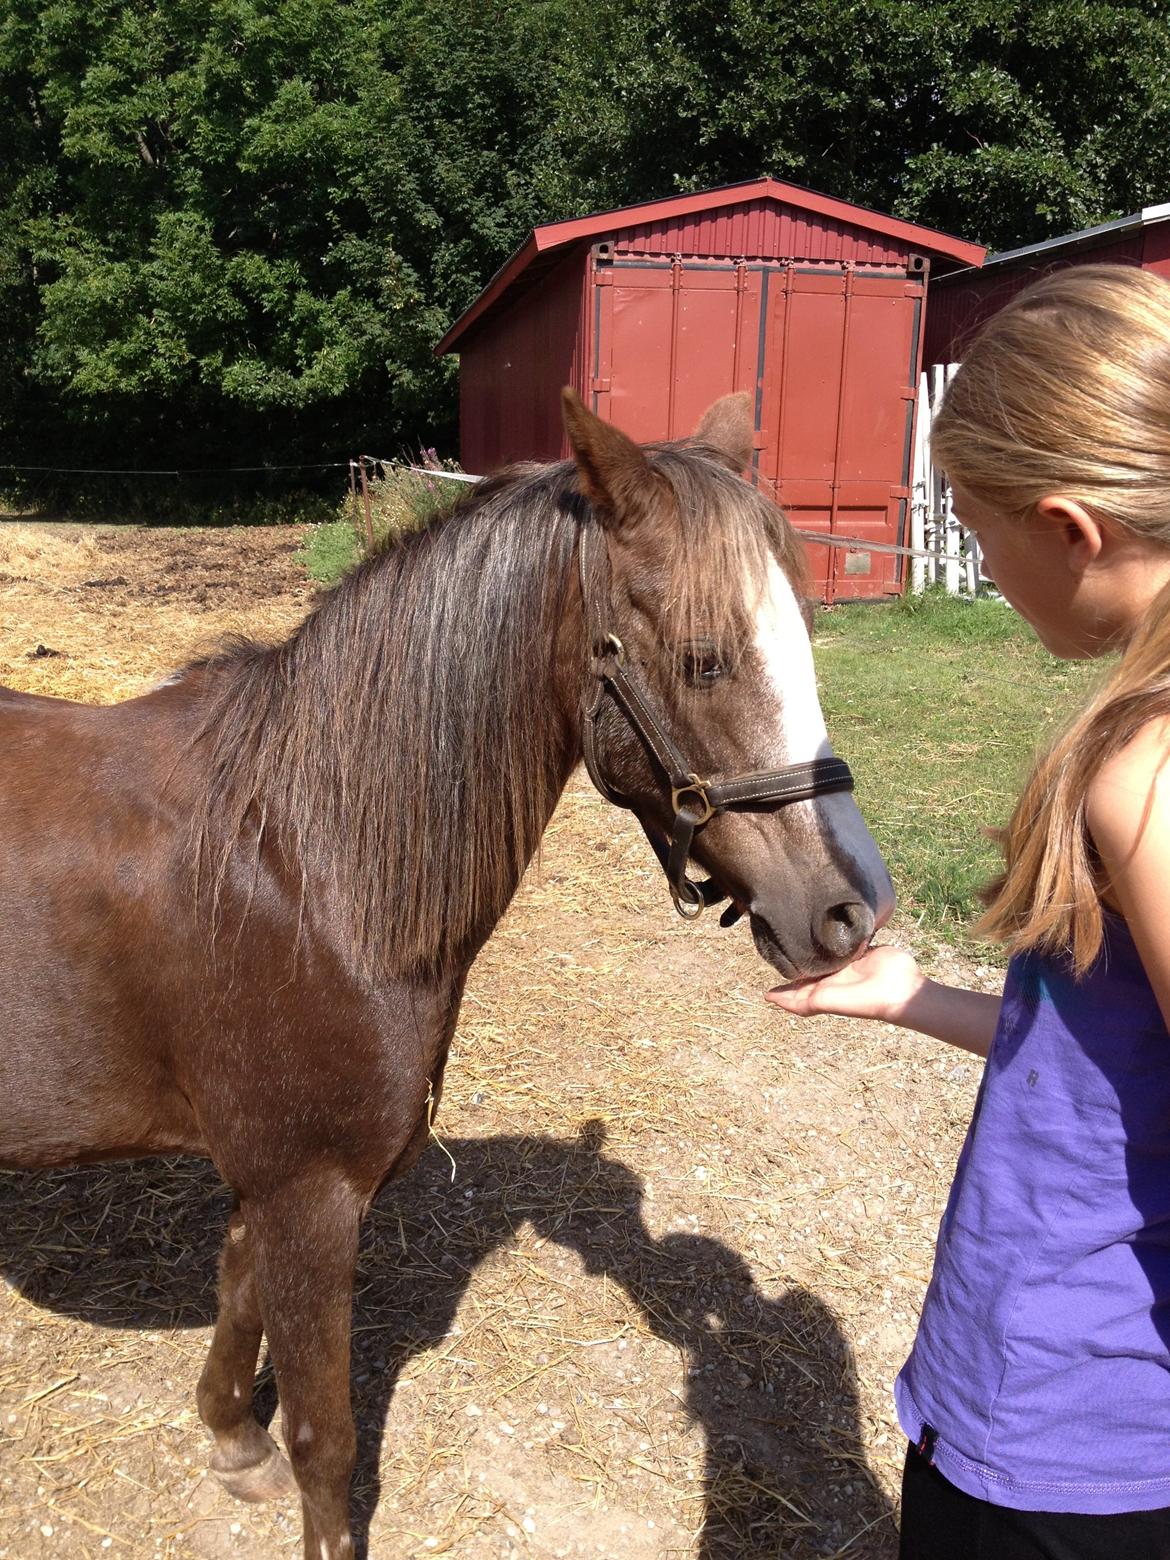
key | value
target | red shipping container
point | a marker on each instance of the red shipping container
(813, 306)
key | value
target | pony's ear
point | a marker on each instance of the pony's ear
(615, 474)
(727, 428)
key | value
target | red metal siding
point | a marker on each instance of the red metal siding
(836, 417)
(1156, 249)
(761, 230)
(831, 356)
(960, 304)
(512, 369)
(669, 339)
(760, 219)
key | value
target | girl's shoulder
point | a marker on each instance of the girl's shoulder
(1131, 786)
(1127, 810)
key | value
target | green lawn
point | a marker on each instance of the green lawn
(939, 704)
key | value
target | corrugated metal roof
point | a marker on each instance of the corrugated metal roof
(758, 206)
(1146, 217)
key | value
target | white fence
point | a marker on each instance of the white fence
(951, 553)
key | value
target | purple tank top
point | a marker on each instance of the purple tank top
(1041, 1369)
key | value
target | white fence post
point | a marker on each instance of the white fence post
(953, 558)
(920, 488)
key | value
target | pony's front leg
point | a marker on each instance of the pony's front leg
(305, 1252)
(245, 1459)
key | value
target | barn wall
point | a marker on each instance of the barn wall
(817, 317)
(1156, 249)
(512, 369)
(761, 230)
(959, 304)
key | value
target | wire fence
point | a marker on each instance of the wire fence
(941, 551)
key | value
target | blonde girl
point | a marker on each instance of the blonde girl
(1037, 1395)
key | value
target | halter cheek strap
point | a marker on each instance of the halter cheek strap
(693, 801)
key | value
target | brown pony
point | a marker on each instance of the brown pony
(240, 910)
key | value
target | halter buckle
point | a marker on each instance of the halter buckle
(698, 788)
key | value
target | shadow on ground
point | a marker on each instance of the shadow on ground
(769, 1379)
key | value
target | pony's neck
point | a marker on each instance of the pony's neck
(409, 743)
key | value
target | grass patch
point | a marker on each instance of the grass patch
(328, 550)
(939, 705)
(400, 501)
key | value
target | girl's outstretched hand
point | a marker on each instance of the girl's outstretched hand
(880, 984)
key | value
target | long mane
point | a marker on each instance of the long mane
(401, 745)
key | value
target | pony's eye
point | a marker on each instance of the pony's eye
(702, 664)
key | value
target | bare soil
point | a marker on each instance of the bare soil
(644, 1296)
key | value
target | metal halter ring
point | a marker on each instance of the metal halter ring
(615, 646)
(697, 788)
(689, 909)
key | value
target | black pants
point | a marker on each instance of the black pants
(940, 1522)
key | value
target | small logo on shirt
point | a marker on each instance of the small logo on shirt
(1033, 1078)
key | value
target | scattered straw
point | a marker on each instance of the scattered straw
(431, 1129)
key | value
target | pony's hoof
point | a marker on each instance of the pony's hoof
(267, 1480)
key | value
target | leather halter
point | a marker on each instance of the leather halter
(693, 801)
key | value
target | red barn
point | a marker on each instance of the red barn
(960, 302)
(650, 312)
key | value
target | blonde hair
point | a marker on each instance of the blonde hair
(1067, 390)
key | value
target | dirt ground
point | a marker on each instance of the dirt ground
(644, 1296)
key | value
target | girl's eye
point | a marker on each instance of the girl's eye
(702, 664)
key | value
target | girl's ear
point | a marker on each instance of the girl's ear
(1083, 534)
(615, 474)
(728, 428)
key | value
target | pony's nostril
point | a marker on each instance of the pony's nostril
(845, 927)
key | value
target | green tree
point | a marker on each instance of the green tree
(231, 231)
(1005, 121)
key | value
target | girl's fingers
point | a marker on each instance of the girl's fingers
(791, 999)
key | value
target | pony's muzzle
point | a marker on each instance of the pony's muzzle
(844, 930)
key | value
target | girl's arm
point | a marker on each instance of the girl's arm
(886, 983)
(1128, 813)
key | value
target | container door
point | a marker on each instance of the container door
(668, 338)
(839, 384)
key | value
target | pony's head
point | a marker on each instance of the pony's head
(706, 592)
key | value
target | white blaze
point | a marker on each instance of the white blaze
(782, 642)
(796, 733)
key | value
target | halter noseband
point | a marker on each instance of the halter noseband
(694, 801)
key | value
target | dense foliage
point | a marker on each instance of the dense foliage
(232, 230)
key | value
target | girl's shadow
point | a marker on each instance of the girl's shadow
(770, 1380)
